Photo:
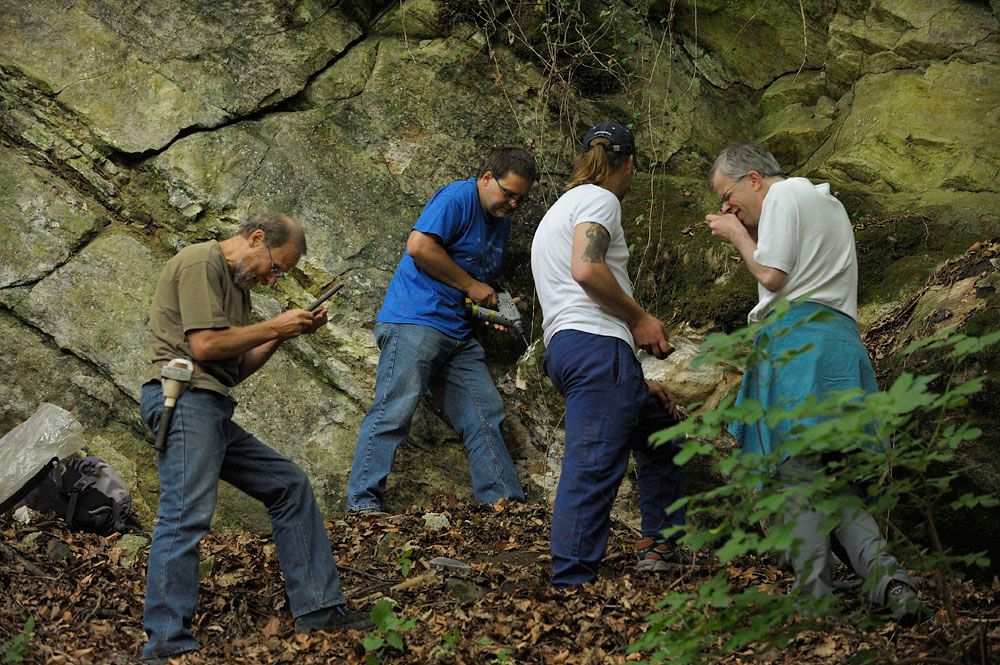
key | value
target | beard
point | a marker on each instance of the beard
(243, 277)
(500, 211)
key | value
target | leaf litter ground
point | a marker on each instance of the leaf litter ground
(85, 593)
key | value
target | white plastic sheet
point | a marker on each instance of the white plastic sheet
(50, 432)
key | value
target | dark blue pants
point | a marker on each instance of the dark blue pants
(609, 411)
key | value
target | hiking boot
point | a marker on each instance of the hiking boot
(656, 555)
(333, 619)
(902, 604)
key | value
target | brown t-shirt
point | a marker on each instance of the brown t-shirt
(196, 291)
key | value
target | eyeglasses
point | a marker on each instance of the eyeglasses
(729, 192)
(275, 270)
(511, 196)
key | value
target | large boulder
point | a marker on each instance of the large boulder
(130, 131)
(139, 74)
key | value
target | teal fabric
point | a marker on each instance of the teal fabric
(837, 361)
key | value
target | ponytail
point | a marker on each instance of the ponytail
(597, 164)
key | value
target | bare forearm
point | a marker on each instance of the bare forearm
(601, 286)
(222, 343)
(436, 263)
(728, 227)
(590, 247)
(258, 339)
(255, 358)
(434, 260)
(771, 279)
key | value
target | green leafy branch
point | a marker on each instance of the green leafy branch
(883, 451)
(388, 633)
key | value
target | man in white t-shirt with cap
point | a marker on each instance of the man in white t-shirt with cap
(591, 327)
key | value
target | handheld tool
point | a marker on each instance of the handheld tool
(323, 298)
(174, 377)
(506, 314)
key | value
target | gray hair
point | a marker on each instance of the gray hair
(278, 230)
(740, 158)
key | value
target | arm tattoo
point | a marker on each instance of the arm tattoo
(598, 240)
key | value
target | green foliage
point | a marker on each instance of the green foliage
(449, 644)
(717, 616)
(502, 657)
(405, 561)
(13, 651)
(880, 452)
(388, 633)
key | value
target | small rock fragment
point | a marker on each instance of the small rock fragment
(436, 521)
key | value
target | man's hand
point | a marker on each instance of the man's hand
(320, 317)
(294, 322)
(727, 226)
(663, 394)
(482, 294)
(650, 334)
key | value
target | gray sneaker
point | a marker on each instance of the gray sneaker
(367, 513)
(902, 604)
(162, 660)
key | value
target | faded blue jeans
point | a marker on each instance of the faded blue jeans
(413, 359)
(609, 412)
(204, 445)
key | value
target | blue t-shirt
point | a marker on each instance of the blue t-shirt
(472, 239)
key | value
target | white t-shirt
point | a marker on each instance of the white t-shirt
(804, 231)
(565, 305)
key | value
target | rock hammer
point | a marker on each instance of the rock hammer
(174, 377)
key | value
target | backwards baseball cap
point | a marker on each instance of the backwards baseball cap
(620, 137)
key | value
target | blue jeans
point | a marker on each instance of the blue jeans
(204, 445)
(609, 411)
(413, 359)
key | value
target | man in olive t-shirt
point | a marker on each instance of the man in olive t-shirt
(201, 312)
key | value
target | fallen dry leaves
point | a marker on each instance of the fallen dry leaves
(88, 606)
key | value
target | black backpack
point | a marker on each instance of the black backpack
(87, 493)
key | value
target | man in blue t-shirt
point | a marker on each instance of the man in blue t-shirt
(454, 252)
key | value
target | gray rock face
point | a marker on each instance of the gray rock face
(96, 306)
(141, 73)
(45, 221)
(128, 131)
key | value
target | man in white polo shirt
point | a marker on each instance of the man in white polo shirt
(796, 240)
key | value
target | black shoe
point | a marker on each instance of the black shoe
(902, 604)
(333, 619)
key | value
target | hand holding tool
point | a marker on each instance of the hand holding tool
(506, 314)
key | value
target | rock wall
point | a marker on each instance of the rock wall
(129, 130)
